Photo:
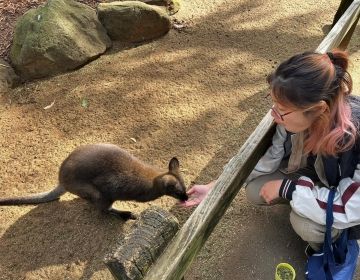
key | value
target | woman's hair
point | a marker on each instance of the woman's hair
(308, 78)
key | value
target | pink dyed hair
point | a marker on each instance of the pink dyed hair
(332, 137)
(308, 78)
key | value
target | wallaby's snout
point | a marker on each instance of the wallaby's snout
(183, 197)
(180, 192)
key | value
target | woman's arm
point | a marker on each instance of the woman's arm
(272, 158)
(268, 163)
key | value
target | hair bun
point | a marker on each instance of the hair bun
(331, 56)
(339, 58)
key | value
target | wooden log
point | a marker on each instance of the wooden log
(179, 254)
(147, 239)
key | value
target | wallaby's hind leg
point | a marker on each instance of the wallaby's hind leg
(85, 191)
(126, 215)
(104, 205)
(91, 193)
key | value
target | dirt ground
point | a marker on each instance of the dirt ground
(197, 95)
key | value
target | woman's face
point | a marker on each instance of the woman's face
(294, 120)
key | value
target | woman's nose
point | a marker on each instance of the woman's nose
(277, 119)
(273, 114)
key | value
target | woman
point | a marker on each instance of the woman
(315, 147)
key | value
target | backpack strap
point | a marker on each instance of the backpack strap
(328, 253)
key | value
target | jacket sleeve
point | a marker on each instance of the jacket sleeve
(309, 200)
(271, 160)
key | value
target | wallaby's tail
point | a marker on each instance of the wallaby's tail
(35, 198)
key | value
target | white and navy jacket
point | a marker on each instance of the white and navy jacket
(308, 198)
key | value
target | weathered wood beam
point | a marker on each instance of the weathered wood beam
(344, 5)
(147, 239)
(337, 34)
(189, 240)
(179, 254)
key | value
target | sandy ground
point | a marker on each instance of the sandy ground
(196, 95)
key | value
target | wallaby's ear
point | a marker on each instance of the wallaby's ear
(174, 165)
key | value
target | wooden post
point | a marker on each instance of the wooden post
(137, 251)
(344, 5)
(345, 42)
(179, 254)
(340, 34)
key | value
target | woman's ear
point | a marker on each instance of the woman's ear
(316, 110)
(323, 107)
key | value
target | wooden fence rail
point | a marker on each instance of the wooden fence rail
(183, 248)
(179, 254)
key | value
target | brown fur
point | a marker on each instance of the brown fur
(104, 173)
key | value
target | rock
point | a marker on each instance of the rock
(172, 6)
(60, 36)
(8, 78)
(133, 21)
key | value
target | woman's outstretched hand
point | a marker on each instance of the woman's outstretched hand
(196, 194)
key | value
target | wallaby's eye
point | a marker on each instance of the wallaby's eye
(171, 186)
(174, 187)
(169, 181)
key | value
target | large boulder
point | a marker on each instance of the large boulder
(60, 36)
(8, 78)
(172, 6)
(133, 21)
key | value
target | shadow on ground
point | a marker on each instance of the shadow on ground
(66, 233)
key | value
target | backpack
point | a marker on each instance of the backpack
(337, 260)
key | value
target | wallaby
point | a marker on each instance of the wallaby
(104, 173)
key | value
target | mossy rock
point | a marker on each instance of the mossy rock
(133, 21)
(61, 35)
(8, 78)
(172, 6)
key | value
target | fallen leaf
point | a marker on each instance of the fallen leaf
(49, 106)
(178, 26)
(84, 103)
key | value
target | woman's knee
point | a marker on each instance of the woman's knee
(303, 228)
(310, 231)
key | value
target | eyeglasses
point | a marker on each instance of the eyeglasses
(278, 115)
(281, 116)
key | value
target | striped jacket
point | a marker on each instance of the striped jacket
(308, 198)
